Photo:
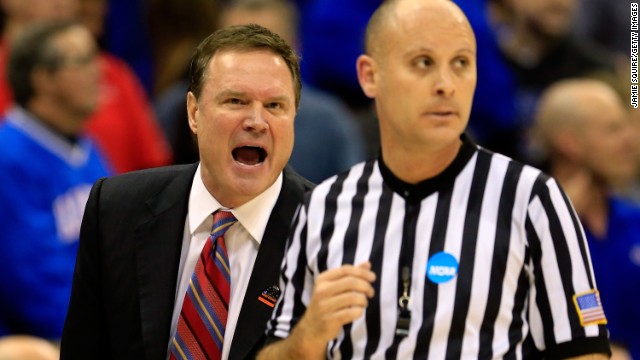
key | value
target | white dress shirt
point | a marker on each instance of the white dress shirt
(242, 240)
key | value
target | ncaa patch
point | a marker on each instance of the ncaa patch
(589, 308)
(442, 267)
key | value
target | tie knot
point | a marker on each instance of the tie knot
(222, 221)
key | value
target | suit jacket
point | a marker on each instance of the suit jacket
(126, 272)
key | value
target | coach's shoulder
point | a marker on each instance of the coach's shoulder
(144, 182)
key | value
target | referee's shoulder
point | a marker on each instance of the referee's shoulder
(324, 186)
(525, 172)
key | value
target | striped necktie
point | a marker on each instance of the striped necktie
(203, 317)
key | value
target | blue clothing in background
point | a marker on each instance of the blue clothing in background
(332, 34)
(127, 37)
(328, 139)
(493, 121)
(44, 184)
(616, 263)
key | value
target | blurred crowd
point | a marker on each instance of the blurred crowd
(93, 88)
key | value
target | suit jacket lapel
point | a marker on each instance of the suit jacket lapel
(254, 314)
(158, 247)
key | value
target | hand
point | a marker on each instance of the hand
(339, 297)
(20, 347)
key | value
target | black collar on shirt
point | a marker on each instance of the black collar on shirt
(416, 192)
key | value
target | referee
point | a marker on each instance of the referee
(459, 252)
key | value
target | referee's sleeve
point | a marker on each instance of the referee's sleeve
(294, 281)
(565, 314)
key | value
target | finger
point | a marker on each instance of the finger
(347, 315)
(359, 271)
(322, 324)
(323, 314)
(328, 288)
(369, 275)
(345, 300)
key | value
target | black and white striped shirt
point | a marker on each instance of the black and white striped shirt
(496, 254)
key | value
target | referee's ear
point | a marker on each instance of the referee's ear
(367, 75)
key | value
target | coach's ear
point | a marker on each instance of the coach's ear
(367, 76)
(192, 112)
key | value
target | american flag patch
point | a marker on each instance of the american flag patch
(589, 308)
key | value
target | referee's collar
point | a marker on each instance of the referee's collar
(419, 191)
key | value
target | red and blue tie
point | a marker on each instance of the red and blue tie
(203, 317)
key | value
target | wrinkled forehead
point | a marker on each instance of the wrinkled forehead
(229, 56)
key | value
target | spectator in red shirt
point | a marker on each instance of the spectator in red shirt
(124, 125)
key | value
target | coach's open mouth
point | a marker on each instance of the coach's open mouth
(249, 155)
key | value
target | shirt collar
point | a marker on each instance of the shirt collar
(253, 215)
(73, 154)
(415, 193)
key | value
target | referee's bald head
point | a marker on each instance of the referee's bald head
(387, 17)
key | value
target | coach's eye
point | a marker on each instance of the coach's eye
(274, 105)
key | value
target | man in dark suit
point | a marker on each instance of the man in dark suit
(143, 232)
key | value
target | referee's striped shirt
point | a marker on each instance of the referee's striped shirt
(495, 252)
